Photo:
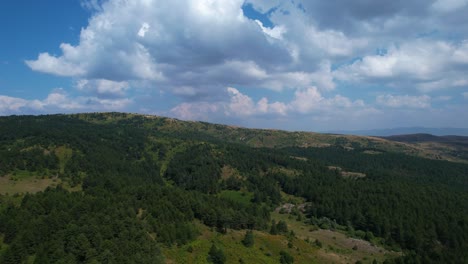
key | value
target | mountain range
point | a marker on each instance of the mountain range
(404, 131)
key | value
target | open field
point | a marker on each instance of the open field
(12, 185)
(22, 182)
(336, 246)
(265, 250)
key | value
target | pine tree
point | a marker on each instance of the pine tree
(248, 240)
(216, 256)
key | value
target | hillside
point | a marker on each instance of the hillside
(125, 188)
(407, 131)
(446, 147)
(276, 138)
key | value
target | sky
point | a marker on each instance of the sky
(308, 65)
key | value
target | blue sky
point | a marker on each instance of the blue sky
(296, 65)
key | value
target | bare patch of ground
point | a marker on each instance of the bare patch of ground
(347, 174)
(26, 185)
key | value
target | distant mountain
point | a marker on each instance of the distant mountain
(405, 131)
(450, 147)
(420, 138)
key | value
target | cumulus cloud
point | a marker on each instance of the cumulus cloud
(59, 100)
(194, 49)
(242, 105)
(306, 102)
(205, 45)
(103, 88)
(196, 111)
(310, 100)
(404, 101)
(57, 66)
(11, 104)
(208, 45)
(428, 65)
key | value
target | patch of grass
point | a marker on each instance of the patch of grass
(266, 248)
(24, 182)
(337, 246)
(19, 175)
(241, 197)
(285, 171)
(287, 198)
(64, 154)
(170, 155)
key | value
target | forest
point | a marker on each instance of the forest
(130, 186)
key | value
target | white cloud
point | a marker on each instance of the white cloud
(446, 6)
(195, 111)
(144, 28)
(205, 45)
(11, 104)
(57, 66)
(194, 49)
(306, 102)
(404, 101)
(310, 100)
(242, 105)
(59, 101)
(275, 32)
(103, 88)
(426, 65)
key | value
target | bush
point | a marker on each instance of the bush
(286, 258)
(248, 240)
(216, 255)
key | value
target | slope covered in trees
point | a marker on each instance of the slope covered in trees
(147, 185)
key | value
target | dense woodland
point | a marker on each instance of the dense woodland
(144, 188)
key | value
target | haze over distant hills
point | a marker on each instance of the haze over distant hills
(405, 131)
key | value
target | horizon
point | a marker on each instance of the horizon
(258, 64)
(383, 132)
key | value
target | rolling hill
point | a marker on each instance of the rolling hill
(127, 188)
(448, 147)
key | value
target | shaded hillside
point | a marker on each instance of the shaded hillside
(408, 131)
(420, 138)
(269, 138)
(127, 188)
(448, 147)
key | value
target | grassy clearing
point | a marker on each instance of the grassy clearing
(25, 183)
(237, 196)
(169, 156)
(347, 174)
(64, 154)
(336, 246)
(265, 250)
(287, 198)
(285, 171)
(22, 182)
